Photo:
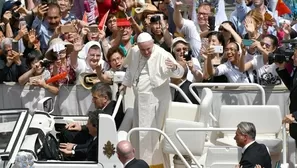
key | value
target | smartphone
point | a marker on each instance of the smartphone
(93, 29)
(15, 46)
(68, 29)
(211, 22)
(247, 42)
(218, 49)
(188, 55)
(44, 2)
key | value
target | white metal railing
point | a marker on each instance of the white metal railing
(165, 136)
(181, 92)
(284, 133)
(227, 84)
(197, 129)
(118, 104)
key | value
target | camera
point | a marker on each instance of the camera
(188, 55)
(280, 55)
(155, 18)
(46, 63)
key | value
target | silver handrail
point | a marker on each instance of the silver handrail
(181, 92)
(165, 136)
(227, 84)
(118, 104)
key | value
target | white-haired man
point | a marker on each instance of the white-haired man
(149, 70)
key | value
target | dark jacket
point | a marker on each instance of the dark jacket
(290, 80)
(137, 163)
(291, 84)
(88, 151)
(120, 115)
(177, 97)
(255, 154)
(12, 73)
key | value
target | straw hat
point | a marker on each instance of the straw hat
(49, 53)
(88, 80)
(146, 8)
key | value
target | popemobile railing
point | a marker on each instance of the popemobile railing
(284, 134)
(227, 85)
(166, 137)
(181, 92)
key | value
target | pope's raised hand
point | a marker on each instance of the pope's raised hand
(170, 64)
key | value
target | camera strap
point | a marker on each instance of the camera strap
(248, 76)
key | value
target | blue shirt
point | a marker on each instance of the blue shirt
(44, 32)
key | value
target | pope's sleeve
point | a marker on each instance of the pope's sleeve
(128, 61)
(179, 71)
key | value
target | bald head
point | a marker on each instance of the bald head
(125, 150)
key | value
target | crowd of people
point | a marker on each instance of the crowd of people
(87, 41)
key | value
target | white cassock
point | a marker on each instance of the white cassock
(150, 80)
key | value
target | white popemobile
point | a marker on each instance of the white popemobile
(29, 139)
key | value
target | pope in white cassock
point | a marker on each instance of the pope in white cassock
(149, 70)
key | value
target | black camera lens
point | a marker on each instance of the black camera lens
(16, 15)
(46, 63)
(155, 18)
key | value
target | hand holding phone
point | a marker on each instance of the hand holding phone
(188, 55)
(218, 49)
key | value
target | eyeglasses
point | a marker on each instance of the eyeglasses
(265, 44)
(125, 28)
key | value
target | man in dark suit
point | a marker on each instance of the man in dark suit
(126, 154)
(290, 80)
(87, 151)
(184, 84)
(252, 153)
(77, 134)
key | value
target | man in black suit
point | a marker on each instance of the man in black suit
(184, 84)
(126, 154)
(87, 151)
(77, 134)
(290, 80)
(252, 153)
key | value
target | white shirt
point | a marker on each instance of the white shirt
(128, 162)
(232, 73)
(246, 146)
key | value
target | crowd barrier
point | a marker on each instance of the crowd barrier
(76, 100)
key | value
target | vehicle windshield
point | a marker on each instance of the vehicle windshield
(7, 125)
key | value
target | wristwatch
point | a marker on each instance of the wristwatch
(73, 152)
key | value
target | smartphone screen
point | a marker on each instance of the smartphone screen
(93, 29)
(15, 46)
(68, 28)
(247, 42)
(211, 22)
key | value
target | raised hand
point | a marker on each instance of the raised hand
(170, 64)
(178, 4)
(32, 36)
(41, 10)
(7, 16)
(249, 25)
(77, 44)
(23, 31)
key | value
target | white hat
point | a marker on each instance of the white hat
(176, 40)
(144, 37)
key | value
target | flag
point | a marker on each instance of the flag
(103, 20)
(282, 8)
